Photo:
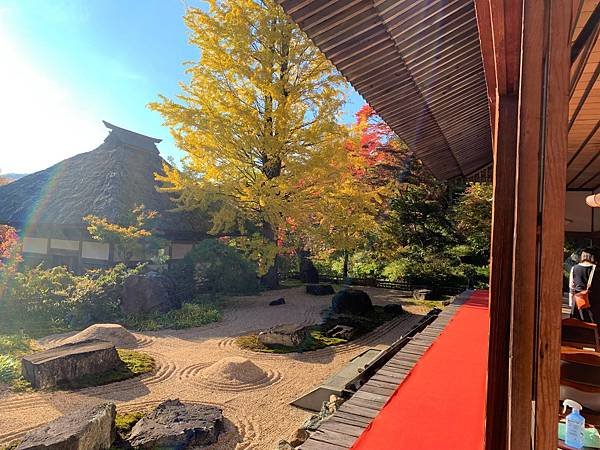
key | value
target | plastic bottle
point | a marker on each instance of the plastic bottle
(575, 425)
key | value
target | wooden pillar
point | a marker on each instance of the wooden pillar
(505, 144)
(526, 268)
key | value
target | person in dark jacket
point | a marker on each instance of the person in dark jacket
(579, 281)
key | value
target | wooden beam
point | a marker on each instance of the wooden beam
(484, 23)
(584, 96)
(586, 182)
(584, 143)
(586, 33)
(582, 61)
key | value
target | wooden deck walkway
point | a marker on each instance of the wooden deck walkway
(341, 430)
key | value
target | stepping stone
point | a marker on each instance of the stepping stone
(60, 365)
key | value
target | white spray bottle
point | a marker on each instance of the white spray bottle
(575, 424)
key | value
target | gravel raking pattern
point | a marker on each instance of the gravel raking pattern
(10, 437)
(254, 389)
(271, 377)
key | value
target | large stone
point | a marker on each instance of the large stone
(65, 363)
(279, 301)
(351, 301)
(174, 425)
(422, 294)
(86, 429)
(393, 309)
(287, 335)
(149, 293)
(298, 437)
(319, 289)
(308, 271)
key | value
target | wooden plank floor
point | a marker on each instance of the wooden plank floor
(341, 429)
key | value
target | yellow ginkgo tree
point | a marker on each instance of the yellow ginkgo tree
(258, 121)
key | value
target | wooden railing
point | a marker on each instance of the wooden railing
(374, 282)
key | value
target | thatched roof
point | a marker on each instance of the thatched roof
(107, 182)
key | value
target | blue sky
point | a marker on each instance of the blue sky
(68, 64)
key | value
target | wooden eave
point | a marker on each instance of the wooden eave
(418, 64)
(583, 170)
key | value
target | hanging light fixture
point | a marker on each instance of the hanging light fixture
(593, 200)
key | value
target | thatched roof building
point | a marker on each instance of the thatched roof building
(108, 182)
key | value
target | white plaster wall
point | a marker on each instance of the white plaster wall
(64, 244)
(578, 212)
(95, 250)
(178, 251)
(35, 245)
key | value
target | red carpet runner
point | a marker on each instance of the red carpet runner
(441, 405)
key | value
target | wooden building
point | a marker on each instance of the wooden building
(47, 207)
(507, 84)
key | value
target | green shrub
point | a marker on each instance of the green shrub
(212, 266)
(15, 344)
(9, 368)
(44, 301)
(38, 301)
(97, 296)
(12, 347)
(190, 315)
(125, 422)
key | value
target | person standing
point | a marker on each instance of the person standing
(582, 281)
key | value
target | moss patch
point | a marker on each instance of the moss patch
(11, 446)
(314, 341)
(423, 306)
(190, 315)
(316, 338)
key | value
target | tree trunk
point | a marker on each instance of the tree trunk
(345, 270)
(308, 271)
(271, 279)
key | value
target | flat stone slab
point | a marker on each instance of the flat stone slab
(84, 429)
(175, 425)
(65, 363)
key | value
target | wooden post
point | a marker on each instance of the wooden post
(526, 271)
(505, 144)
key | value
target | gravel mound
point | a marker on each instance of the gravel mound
(110, 332)
(234, 370)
